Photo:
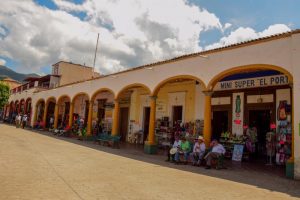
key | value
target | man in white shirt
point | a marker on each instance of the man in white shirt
(198, 150)
(176, 145)
(217, 150)
(24, 121)
(51, 121)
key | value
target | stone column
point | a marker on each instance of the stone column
(56, 116)
(115, 126)
(35, 115)
(71, 114)
(207, 117)
(150, 145)
(90, 116)
(45, 114)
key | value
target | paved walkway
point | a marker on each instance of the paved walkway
(37, 166)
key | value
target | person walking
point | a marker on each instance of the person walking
(24, 121)
(18, 120)
(51, 122)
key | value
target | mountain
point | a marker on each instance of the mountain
(6, 72)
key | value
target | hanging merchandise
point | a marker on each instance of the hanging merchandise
(281, 111)
(284, 142)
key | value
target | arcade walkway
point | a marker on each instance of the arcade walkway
(37, 166)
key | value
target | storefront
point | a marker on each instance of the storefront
(253, 109)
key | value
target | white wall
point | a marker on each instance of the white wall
(283, 52)
(295, 60)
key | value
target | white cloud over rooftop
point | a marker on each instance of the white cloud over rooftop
(132, 32)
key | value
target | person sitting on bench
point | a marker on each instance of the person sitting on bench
(184, 149)
(217, 150)
(176, 145)
(198, 150)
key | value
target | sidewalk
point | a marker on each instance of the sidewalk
(256, 174)
(38, 165)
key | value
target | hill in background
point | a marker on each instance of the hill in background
(6, 72)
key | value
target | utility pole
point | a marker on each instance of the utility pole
(95, 55)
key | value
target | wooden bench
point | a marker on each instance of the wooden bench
(109, 140)
(218, 162)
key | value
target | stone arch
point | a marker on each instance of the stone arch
(133, 85)
(253, 67)
(78, 94)
(99, 91)
(62, 97)
(162, 83)
(49, 99)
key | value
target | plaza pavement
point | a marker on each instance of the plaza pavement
(37, 166)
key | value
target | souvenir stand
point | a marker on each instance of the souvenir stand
(228, 140)
(284, 142)
(165, 132)
(284, 133)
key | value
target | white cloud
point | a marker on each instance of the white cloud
(2, 62)
(274, 29)
(243, 34)
(132, 32)
(2, 31)
(227, 26)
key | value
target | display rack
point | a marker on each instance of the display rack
(163, 132)
(228, 141)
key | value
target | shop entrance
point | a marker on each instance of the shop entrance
(101, 110)
(146, 123)
(219, 123)
(261, 120)
(123, 123)
(50, 113)
(177, 113)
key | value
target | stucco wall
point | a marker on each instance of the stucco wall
(72, 73)
(295, 59)
(283, 52)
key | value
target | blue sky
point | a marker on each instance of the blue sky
(257, 14)
(151, 36)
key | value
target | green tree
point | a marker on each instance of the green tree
(4, 94)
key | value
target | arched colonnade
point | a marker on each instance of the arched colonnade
(65, 105)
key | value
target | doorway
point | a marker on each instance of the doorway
(146, 123)
(124, 112)
(219, 123)
(86, 114)
(101, 110)
(177, 114)
(50, 113)
(260, 119)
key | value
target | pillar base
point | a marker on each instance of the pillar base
(289, 169)
(150, 148)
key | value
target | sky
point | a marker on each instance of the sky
(34, 34)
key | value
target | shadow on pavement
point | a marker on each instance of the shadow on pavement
(271, 178)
